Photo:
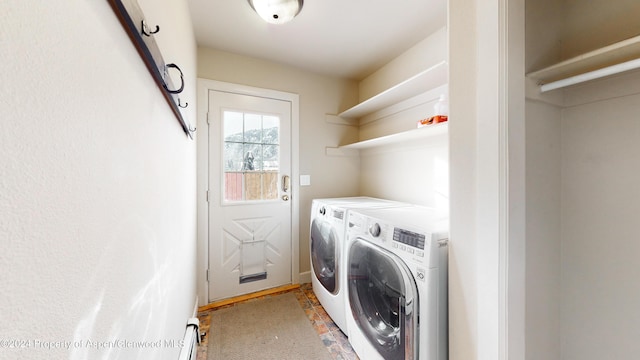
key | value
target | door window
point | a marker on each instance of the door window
(251, 156)
(381, 298)
(324, 255)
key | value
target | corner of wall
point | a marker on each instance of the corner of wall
(428, 52)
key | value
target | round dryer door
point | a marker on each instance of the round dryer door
(324, 256)
(382, 297)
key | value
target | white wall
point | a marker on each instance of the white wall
(543, 30)
(598, 23)
(319, 95)
(600, 202)
(463, 290)
(416, 172)
(543, 164)
(97, 179)
(544, 25)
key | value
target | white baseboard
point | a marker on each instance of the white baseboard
(305, 277)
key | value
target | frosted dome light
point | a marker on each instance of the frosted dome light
(276, 11)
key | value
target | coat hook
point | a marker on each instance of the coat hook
(145, 29)
(182, 106)
(164, 84)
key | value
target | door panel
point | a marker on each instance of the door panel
(250, 215)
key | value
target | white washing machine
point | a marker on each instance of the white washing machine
(327, 241)
(397, 283)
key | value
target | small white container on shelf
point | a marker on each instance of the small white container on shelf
(442, 106)
(440, 110)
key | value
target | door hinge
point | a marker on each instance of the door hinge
(207, 118)
(207, 275)
(207, 195)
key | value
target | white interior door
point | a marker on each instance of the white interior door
(250, 243)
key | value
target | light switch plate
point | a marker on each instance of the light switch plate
(305, 180)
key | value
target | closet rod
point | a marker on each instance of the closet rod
(596, 74)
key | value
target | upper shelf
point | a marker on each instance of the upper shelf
(419, 133)
(426, 80)
(598, 63)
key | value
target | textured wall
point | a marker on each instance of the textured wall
(97, 179)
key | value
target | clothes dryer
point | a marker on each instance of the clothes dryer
(327, 241)
(397, 283)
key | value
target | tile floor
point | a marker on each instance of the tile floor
(334, 340)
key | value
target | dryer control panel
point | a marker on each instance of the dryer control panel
(409, 238)
(409, 242)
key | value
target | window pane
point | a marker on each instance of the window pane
(270, 157)
(232, 186)
(270, 185)
(233, 156)
(271, 126)
(252, 158)
(252, 186)
(232, 126)
(252, 128)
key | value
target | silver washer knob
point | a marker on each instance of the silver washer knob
(375, 230)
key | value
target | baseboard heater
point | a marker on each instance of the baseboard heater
(191, 340)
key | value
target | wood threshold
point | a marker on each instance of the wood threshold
(241, 298)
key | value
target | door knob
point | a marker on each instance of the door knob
(285, 197)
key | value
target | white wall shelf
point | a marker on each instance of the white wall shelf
(428, 79)
(605, 61)
(409, 135)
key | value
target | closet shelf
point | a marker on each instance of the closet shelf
(426, 80)
(414, 134)
(602, 62)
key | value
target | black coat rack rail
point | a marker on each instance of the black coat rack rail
(133, 22)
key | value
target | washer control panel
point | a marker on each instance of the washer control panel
(338, 214)
(409, 241)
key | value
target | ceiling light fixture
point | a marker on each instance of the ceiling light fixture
(276, 11)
